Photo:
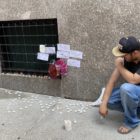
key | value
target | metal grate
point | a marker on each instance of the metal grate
(19, 44)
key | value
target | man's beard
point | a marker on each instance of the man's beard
(135, 60)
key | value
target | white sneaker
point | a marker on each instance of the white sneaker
(99, 100)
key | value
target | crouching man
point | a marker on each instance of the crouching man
(125, 98)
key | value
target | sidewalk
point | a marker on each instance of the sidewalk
(30, 116)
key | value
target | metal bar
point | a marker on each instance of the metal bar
(31, 25)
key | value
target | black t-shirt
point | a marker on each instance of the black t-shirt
(132, 67)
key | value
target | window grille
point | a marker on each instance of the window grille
(19, 45)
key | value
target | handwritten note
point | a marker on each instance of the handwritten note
(42, 48)
(63, 54)
(63, 47)
(42, 56)
(50, 50)
(73, 62)
(76, 54)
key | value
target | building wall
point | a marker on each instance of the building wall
(91, 26)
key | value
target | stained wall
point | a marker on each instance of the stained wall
(91, 26)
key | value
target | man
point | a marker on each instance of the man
(125, 98)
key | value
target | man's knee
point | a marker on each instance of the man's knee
(127, 91)
(127, 87)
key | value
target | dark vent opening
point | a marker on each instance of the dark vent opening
(19, 45)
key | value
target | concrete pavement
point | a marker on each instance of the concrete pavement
(30, 116)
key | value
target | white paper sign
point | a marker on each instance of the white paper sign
(76, 54)
(42, 48)
(63, 54)
(43, 56)
(63, 47)
(73, 62)
(50, 50)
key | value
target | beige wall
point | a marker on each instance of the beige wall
(90, 26)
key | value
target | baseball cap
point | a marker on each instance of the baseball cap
(126, 45)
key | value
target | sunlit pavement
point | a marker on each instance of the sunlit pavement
(30, 116)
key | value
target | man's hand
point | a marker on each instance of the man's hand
(103, 110)
(119, 61)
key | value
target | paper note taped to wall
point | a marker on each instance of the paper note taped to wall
(50, 50)
(42, 56)
(73, 62)
(63, 54)
(76, 54)
(63, 47)
(42, 48)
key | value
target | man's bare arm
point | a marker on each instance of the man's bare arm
(110, 85)
(108, 90)
(130, 77)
